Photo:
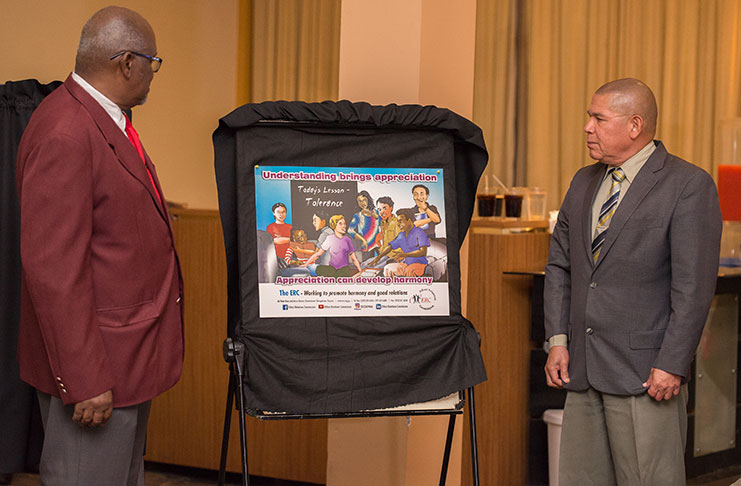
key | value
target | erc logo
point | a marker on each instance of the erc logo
(425, 299)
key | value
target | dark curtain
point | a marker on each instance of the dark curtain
(20, 424)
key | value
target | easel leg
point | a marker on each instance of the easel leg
(227, 427)
(242, 426)
(234, 355)
(448, 446)
(474, 448)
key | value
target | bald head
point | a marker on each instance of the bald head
(631, 96)
(622, 121)
(109, 31)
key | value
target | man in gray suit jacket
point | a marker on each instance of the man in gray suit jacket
(630, 277)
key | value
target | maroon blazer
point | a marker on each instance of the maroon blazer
(101, 298)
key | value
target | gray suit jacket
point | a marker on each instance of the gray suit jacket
(643, 304)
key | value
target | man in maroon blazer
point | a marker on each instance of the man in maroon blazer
(101, 313)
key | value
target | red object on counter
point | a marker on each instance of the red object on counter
(729, 191)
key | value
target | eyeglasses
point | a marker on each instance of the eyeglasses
(156, 61)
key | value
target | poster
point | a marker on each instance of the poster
(343, 242)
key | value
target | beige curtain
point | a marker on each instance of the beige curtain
(687, 51)
(494, 83)
(292, 49)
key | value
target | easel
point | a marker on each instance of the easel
(234, 355)
(287, 135)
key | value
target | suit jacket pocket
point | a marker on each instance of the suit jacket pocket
(645, 222)
(130, 314)
(646, 339)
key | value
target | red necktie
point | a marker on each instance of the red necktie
(134, 138)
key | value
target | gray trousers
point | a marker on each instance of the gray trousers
(111, 455)
(609, 440)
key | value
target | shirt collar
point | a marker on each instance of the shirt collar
(635, 163)
(109, 106)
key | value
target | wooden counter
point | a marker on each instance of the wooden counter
(499, 307)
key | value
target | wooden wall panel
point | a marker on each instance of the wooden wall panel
(186, 423)
(499, 307)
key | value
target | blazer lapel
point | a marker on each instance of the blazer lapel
(161, 205)
(589, 196)
(118, 141)
(644, 181)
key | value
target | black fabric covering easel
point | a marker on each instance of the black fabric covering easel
(234, 355)
(20, 422)
(340, 366)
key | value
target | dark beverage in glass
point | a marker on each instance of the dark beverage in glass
(487, 204)
(513, 205)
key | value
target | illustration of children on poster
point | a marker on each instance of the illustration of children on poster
(351, 241)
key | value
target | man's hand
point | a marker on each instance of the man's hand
(557, 367)
(95, 411)
(662, 385)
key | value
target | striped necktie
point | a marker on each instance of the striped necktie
(605, 214)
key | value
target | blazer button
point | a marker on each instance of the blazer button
(590, 331)
(593, 285)
(178, 300)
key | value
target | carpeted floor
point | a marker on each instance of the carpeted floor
(164, 475)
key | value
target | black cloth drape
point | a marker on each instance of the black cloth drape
(346, 364)
(20, 426)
